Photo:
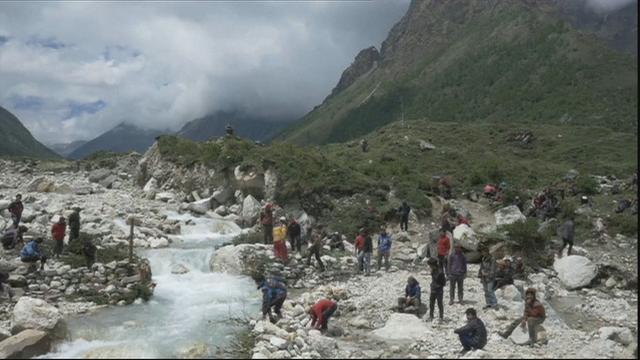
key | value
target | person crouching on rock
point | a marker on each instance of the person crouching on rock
(12, 236)
(31, 253)
(534, 315)
(279, 240)
(321, 312)
(412, 295)
(274, 293)
(474, 334)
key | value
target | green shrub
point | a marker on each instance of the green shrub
(587, 185)
(523, 236)
(624, 224)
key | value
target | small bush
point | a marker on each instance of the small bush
(567, 209)
(587, 185)
(523, 236)
(623, 224)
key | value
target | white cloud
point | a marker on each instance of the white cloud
(161, 64)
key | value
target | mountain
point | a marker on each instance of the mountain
(67, 148)
(515, 61)
(16, 140)
(122, 138)
(247, 126)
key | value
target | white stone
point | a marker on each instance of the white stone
(464, 236)
(250, 209)
(575, 271)
(403, 327)
(179, 269)
(279, 342)
(325, 346)
(200, 206)
(32, 313)
(509, 293)
(165, 196)
(620, 335)
(509, 215)
(155, 243)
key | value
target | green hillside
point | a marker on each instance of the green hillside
(16, 140)
(475, 61)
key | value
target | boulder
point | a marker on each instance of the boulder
(425, 145)
(250, 209)
(509, 293)
(17, 281)
(150, 188)
(41, 184)
(241, 259)
(270, 184)
(221, 210)
(223, 195)
(31, 313)
(108, 181)
(179, 269)
(403, 327)
(194, 351)
(200, 206)
(402, 236)
(466, 237)
(165, 196)
(575, 271)
(4, 204)
(25, 345)
(155, 243)
(324, 345)
(509, 215)
(520, 336)
(98, 175)
(279, 343)
(621, 335)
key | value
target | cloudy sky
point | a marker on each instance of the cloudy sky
(72, 70)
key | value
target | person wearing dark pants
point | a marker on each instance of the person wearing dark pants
(457, 272)
(31, 253)
(444, 245)
(266, 219)
(57, 233)
(474, 334)
(294, 233)
(15, 209)
(315, 248)
(274, 293)
(438, 281)
(404, 211)
(321, 312)
(384, 249)
(534, 315)
(567, 233)
(487, 275)
(74, 224)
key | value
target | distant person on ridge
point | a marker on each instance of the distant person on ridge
(474, 334)
(228, 130)
(15, 209)
(404, 211)
(365, 145)
(266, 219)
(57, 233)
(279, 240)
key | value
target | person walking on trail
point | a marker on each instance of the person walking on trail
(295, 238)
(57, 233)
(74, 224)
(15, 209)
(266, 219)
(13, 236)
(384, 249)
(321, 312)
(412, 296)
(487, 275)
(457, 271)
(279, 240)
(404, 211)
(315, 249)
(473, 335)
(444, 245)
(31, 253)
(534, 315)
(274, 293)
(567, 232)
(438, 281)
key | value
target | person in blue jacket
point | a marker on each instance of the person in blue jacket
(274, 293)
(384, 249)
(412, 295)
(31, 253)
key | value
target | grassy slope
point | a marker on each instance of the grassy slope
(17, 141)
(511, 65)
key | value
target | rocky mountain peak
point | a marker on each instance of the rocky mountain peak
(362, 64)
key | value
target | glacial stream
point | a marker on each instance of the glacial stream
(188, 312)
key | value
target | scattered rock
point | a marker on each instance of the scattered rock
(575, 271)
(509, 215)
(25, 345)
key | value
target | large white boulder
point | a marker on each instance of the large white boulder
(25, 345)
(509, 293)
(223, 195)
(150, 188)
(575, 271)
(403, 327)
(4, 204)
(466, 237)
(200, 206)
(240, 259)
(31, 313)
(509, 215)
(620, 335)
(250, 209)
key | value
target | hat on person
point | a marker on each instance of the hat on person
(282, 218)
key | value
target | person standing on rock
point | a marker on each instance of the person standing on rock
(474, 334)
(12, 236)
(444, 245)
(279, 240)
(320, 313)
(438, 281)
(404, 211)
(359, 250)
(567, 232)
(384, 249)
(31, 253)
(457, 271)
(294, 235)
(412, 295)
(315, 249)
(266, 219)
(534, 315)
(15, 209)
(74, 224)
(487, 275)
(57, 233)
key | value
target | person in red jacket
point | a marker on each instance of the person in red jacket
(359, 250)
(533, 316)
(444, 244)
(321, 312)
(462, 220)
(57, 233)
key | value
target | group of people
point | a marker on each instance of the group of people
(32, 252)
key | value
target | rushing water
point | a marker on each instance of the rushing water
(186, 310)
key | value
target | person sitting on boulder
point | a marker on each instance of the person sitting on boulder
(279, 242)
(274, 293)
(295, 238)
(534, 315)
(57, 233)
(412, 295)
(336, 241)
(15, 209)
(474, 334)
(31, 253)
(504, 273)
(438, 281)
(13, 236)
(321, 312)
